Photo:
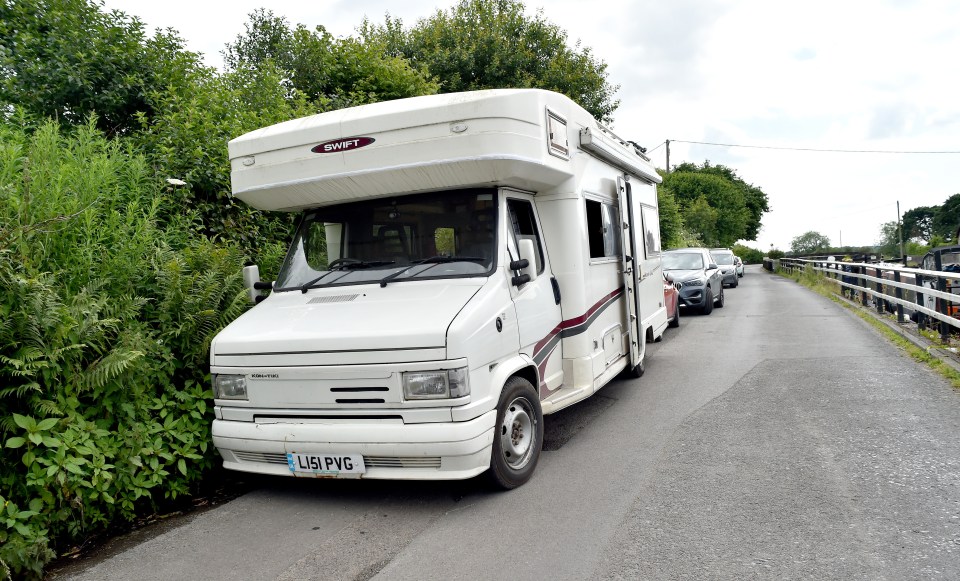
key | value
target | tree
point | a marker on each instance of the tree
(740, 206)
(697, 191)
(701, 218)
(889, 243)
(66, 59)
(747, 254)
(332, 73)
(754, 199)
(492, 44)
(186, 138)
(946, 220)
(918, 223)
(671, 222)
(809, 243)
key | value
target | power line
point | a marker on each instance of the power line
(662, 143)
(815, 149)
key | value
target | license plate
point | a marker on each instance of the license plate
(330, 465)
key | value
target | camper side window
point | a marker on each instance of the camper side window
(523, 225)
(651, 230)
(602, 231)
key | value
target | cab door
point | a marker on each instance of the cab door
(632, 260)
(537, 302)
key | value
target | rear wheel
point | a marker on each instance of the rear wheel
(519, 435)
(707, 307)
(675, 322)
(720, 300)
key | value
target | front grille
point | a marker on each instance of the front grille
(426, 462)
(261, 457)
(402, 461)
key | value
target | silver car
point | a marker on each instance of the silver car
(698, 276)
(728, 268)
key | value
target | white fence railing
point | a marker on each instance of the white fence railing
(922, 295)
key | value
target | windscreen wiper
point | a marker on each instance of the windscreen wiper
(313, 283)
(432, 261)
(340, 264)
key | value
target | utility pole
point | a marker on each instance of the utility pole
(668, 156)
(903, 256)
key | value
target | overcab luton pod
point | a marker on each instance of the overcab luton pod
(463, 265)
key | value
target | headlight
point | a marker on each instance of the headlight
(450, 383)
(230, 386)
(694, 282)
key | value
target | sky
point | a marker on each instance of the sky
(767, 81)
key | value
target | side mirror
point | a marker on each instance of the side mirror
(712, 266)
(251, 281)
(528, 254)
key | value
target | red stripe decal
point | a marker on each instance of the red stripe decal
(575, 321)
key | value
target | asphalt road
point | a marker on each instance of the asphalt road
(778, 438)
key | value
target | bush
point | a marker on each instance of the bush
(747, 254)
(105, 325)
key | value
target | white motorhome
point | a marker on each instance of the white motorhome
(464, 264)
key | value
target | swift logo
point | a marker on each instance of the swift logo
(345, 144)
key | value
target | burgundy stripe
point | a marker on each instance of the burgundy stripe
(563, 325)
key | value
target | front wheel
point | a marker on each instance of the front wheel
(519, 435)
(707, 307)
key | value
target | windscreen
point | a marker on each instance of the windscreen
(435, 235)
(723, 259)
(682, 261)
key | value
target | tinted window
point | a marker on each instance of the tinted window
(375, 238)
(602, 231)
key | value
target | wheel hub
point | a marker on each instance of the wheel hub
(516, 434)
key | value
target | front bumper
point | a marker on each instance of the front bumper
(391, 449)
(692, 296)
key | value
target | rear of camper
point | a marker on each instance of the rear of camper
(464, 264)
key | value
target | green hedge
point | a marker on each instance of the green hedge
(106, 317)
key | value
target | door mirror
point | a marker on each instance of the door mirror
(712, 266)
(251, 281)
(528, 252)
(251, 276)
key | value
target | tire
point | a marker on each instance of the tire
(707, 307)
(518, 436)
(720, 300)
(675, 322)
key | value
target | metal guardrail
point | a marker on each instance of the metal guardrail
(922, 295)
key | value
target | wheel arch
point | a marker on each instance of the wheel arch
(520, 366)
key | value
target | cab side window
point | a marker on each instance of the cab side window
(523, 225)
